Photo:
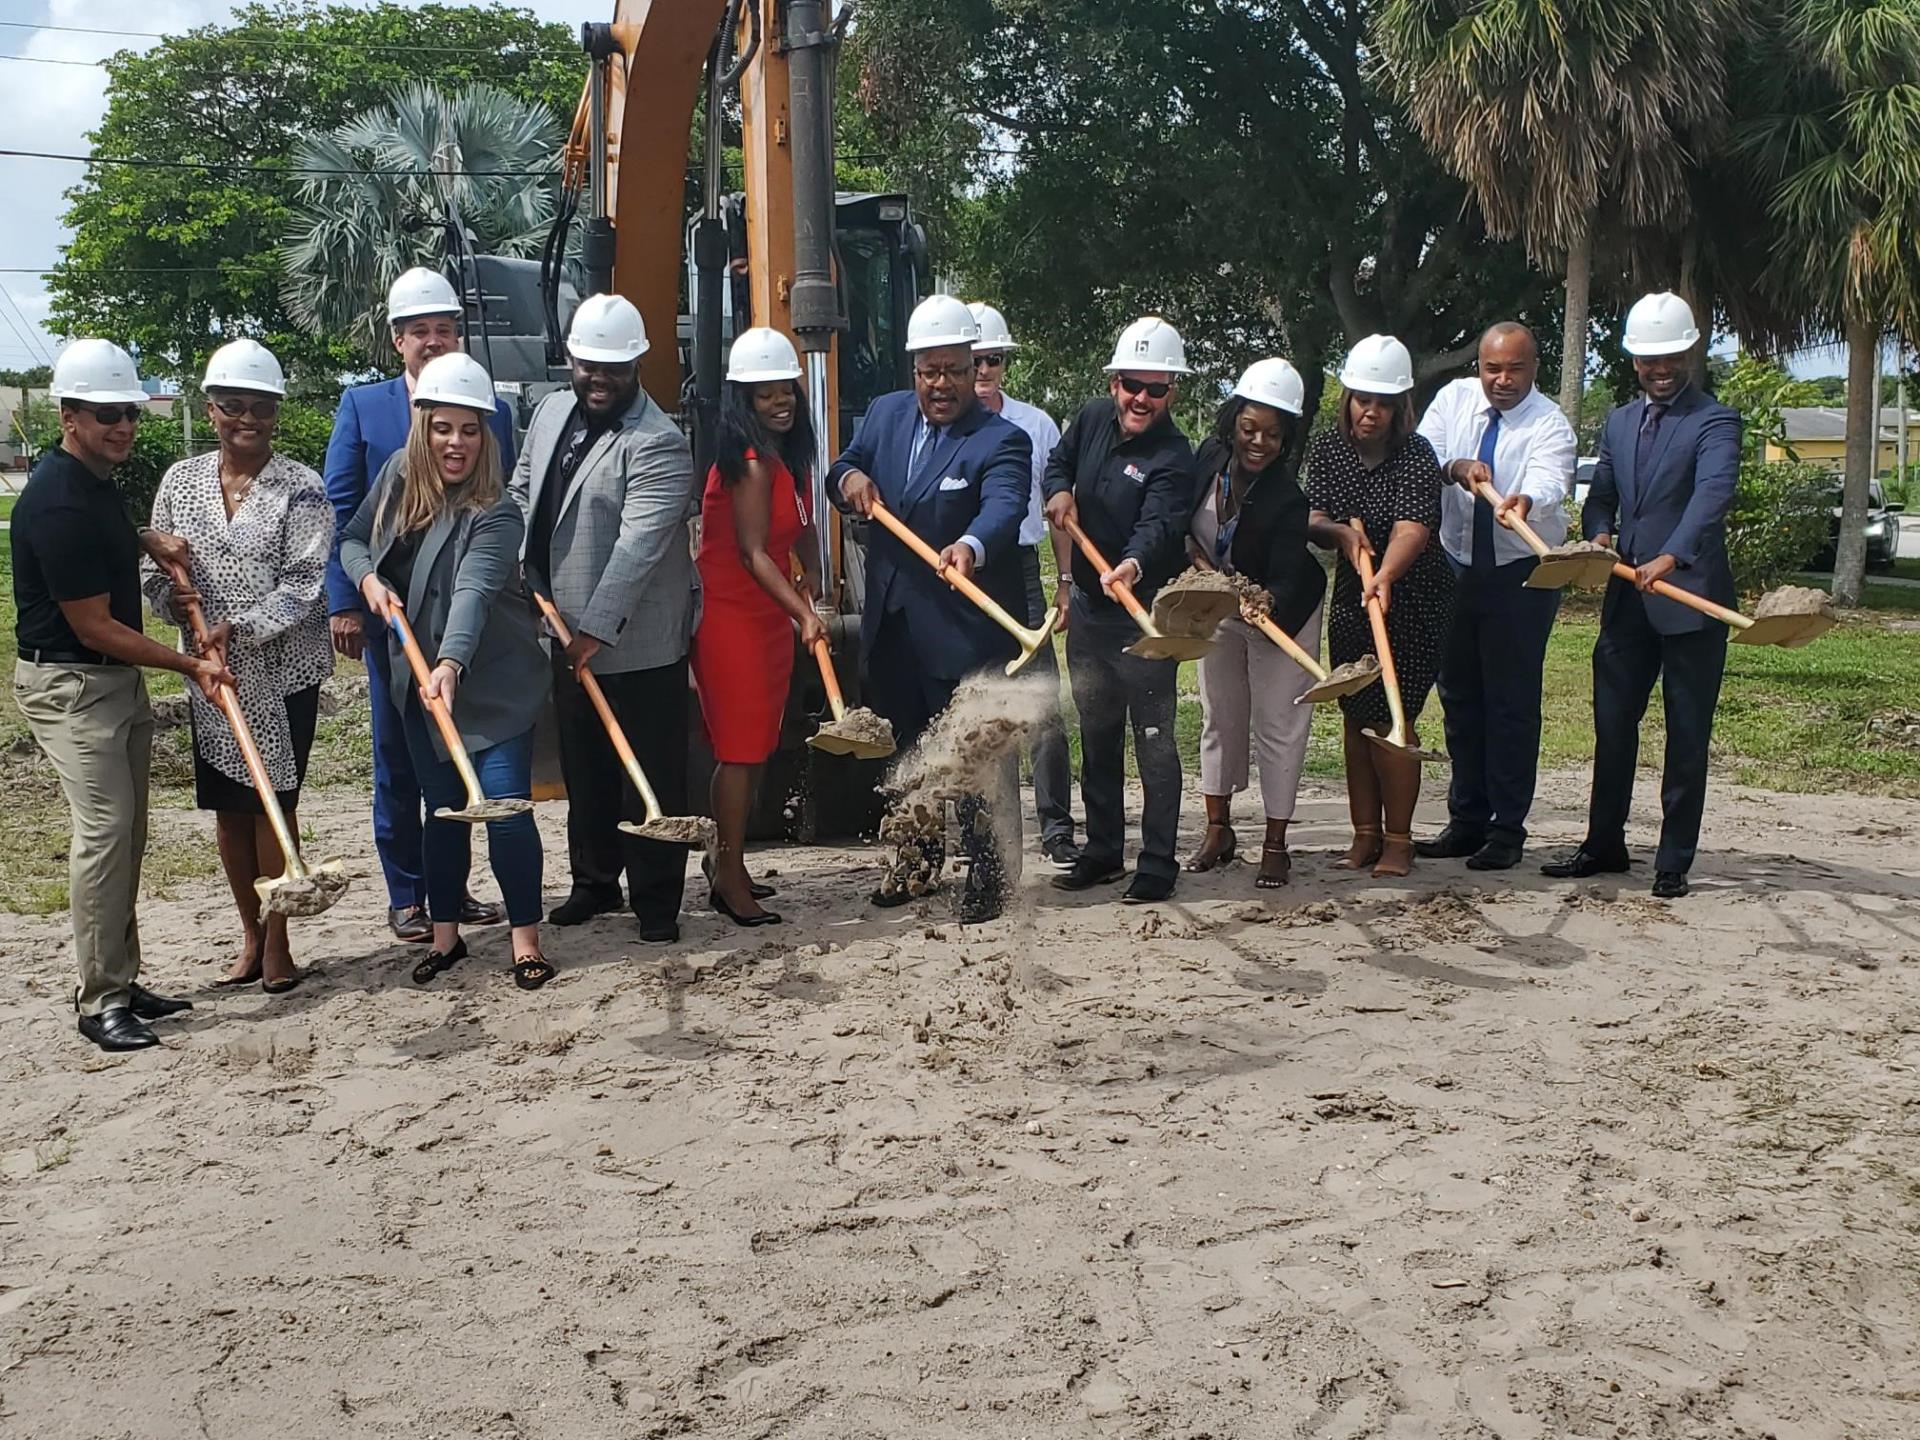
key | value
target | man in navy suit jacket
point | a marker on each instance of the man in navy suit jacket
(369, 427)
(1669, 462)
(959, 476)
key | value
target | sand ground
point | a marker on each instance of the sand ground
(1449, 1157)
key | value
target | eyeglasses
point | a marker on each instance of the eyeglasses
(1155, 389)
(267, 407)
(932, 376)
(112, 415)
(988, 362)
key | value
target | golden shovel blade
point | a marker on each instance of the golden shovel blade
(1562, 568)
(1032, 642)
(831, 742)
(1196, 613)
(1170, 647)
(1789, 632)
(481, 811)
(673, 829)
(314, 893)
(1412, 752)
(1347, 680)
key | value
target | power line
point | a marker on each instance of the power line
(266, 43)
(27, 336)
(283, 170)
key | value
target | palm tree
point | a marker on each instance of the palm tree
(1569, 121)
(380, 187)
(1831, 133)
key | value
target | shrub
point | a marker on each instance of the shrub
(1780, 517)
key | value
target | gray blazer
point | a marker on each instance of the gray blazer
(467, 604)
(622, 554)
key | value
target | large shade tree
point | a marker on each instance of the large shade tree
(1570, 121)
(377, 193)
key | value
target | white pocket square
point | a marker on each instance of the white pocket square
(953, 482)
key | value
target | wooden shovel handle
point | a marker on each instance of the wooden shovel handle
(229, 704)
(905, 535)
(1515, 523)
(436, 707)
(1721, 613)
(1383, 651)
(1120, 587)
(835, 702)
(608, 719)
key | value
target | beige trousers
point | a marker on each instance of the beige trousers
(94, 723)
(1247, 689)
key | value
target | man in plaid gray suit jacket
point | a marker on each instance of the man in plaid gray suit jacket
(606, 482)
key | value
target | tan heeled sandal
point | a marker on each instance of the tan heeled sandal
(1359, 855)
(1381, 870)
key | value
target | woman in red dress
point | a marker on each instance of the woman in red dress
(753, 520)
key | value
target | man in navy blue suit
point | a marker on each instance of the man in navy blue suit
(1668, 465)
(959, 476)
(371, 424)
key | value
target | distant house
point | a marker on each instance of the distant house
(1818, 435)
(13, 446)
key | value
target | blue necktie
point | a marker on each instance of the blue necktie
(925, 436)
(1643, 444)
(1482, 511)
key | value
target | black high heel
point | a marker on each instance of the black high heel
(720, 906)
(754, 887)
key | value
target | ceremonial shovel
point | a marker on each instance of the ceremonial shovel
(479, 808)
(1030, 640)
(1583, 566)
(1396, 738)
(1789, 630)
(674, 829)
(836, 737)
(1327, 685)
(1152, 644)
(304, 889)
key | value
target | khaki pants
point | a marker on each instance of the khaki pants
(94, 723)
(1247, 689)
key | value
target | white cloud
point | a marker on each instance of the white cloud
(52, 107)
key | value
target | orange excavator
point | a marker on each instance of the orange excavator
(837, 272)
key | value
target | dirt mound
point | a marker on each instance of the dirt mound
(1794, 600)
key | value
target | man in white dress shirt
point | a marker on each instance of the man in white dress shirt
(1498, 429)
(1052, 768)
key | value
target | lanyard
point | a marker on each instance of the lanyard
(1223, 535)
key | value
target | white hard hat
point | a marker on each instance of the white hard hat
(1660, 324)
(245, 365)
(421, 292)
(455, 380)
(607, 329)
(98, 372)
(1150, 343)
(1273, 382)
(941, 320)
(994, 334)
(1378, 365)
(762, 354)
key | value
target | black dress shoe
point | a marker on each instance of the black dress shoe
(149, 1006)
(582, 905)
(1583, 862)
(1148, 890)
(660, 932)
(1087, 873)
(117, 1028)
(1061, 853)
(410, 923)
(1669, 885)
(1494, 855)
(1451, 844)
(481, 912)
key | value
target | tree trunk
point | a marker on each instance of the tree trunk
(1573, 345)
(1694, 291)
(1863, 404)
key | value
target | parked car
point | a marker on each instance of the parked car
(1883, 531)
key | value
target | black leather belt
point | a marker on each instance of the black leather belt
(69, 657)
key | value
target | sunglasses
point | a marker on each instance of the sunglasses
(988, 362)
(112, 415)
(1155, 389)
(233, 407)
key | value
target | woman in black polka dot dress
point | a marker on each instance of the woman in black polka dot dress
(1376, 469)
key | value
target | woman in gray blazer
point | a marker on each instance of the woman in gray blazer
(439, 536)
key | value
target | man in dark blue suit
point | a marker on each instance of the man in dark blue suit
(958, 476)
(1668, 465)
(369, 427)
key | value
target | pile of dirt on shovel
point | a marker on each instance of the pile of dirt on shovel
(960, 755)
(862, 726)
(1197, 582)
(1794, 600)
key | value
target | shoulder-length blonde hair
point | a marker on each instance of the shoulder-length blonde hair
(422, 495)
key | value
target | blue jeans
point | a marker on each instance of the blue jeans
(513, 844)
(396, 793)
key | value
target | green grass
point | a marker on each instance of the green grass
(6, 506)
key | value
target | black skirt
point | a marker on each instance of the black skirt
(215, 790)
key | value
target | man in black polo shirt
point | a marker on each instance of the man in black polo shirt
(1121, 471)
(76, 595)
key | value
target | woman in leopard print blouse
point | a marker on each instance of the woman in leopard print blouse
(260, 529)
